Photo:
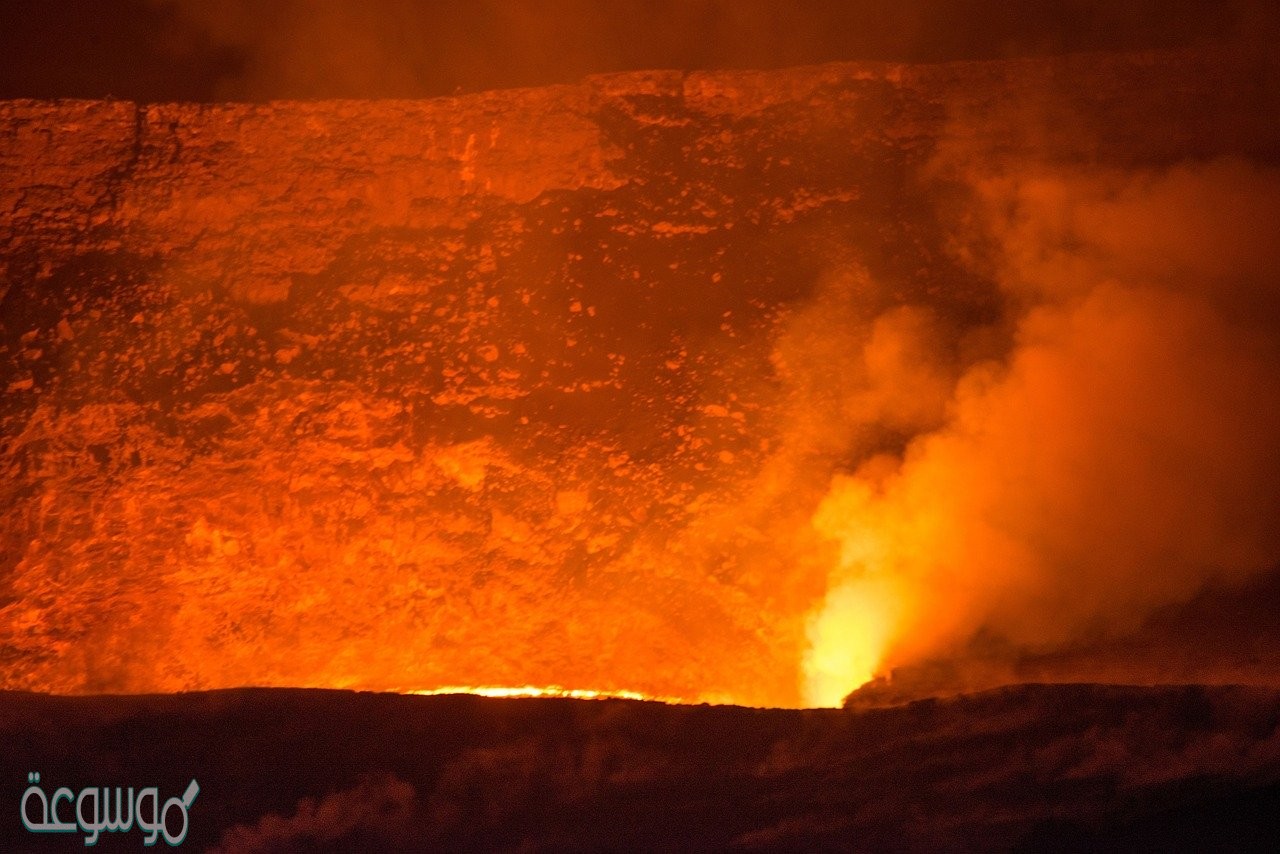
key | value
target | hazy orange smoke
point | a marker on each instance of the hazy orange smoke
(1119, 457)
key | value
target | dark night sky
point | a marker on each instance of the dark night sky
(198, 50)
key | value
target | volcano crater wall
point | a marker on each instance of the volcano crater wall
(481, 390)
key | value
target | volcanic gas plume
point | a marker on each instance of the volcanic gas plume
(1119, 457)
(745, 386)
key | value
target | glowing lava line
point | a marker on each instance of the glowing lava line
(551, 691)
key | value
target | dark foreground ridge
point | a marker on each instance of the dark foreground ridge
(1031, 767)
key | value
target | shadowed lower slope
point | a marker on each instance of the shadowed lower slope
(1037, 767)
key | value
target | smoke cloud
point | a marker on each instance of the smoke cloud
(379, 809)
(1121, 455)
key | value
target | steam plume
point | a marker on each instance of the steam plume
(1121, 457)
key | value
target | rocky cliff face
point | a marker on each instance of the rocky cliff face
(483, 390)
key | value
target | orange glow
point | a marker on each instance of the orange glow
(1111, 464)
(848, 639)
(625, 389)
(549, 691)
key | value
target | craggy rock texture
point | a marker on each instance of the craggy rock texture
(479, 390)
(1032, 768)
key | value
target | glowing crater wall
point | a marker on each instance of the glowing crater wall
(474, 391)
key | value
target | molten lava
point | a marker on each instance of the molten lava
(548, 691)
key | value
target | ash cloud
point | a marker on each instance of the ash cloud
(1121, 457)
